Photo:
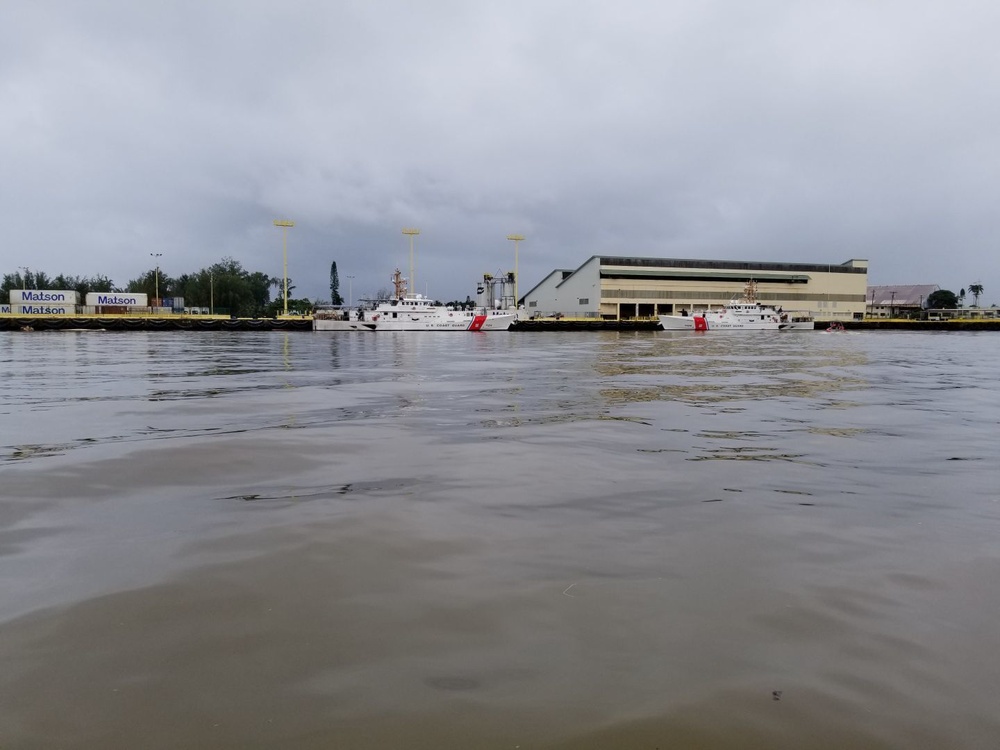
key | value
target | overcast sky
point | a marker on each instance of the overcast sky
(766, 130)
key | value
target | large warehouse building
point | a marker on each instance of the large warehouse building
(624, 288)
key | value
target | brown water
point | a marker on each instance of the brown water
(554, 540)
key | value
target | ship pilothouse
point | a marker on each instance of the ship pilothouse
(404, 311)
(744, 314)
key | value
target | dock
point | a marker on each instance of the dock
(587, 324)
(152, 323)
(905, 324)
(304, 323)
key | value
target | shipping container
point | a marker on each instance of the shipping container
(44, 297)
(4, 309)
(42, 309)
(117, 299)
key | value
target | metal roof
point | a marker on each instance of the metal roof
(907, 294)
(732, 265)
(682, 273)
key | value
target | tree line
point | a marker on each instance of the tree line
(226, 287)
(945, 299)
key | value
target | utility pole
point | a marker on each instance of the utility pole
(350, 290)
(413, 274)
(156, 294)
(285, 224)
(516, 238)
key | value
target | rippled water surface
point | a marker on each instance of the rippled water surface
(554, 540)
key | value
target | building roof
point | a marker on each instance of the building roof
(851, 266)
(736, 270)
(693, 268)
(698, 274)
(565, 272)
(914, 295)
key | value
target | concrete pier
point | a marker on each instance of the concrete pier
(152, 323)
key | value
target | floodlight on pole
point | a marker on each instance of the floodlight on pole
(285, 224)
(413, 274)
(156, 293)
(516, 238)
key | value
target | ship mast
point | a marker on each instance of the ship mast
(399, 284)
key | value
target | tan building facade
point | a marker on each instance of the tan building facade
(620, 288)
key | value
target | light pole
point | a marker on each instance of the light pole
(350, 290)
(892, 305)
(413, 274)
(24, 278)
(211, 292)
(156, 295)
(284, 224)
(516, 238)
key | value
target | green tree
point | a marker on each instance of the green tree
(942, 299)
(259, 289)
(151, 283)
(10, 281)
(197, 289)
(64, 282)
(34, 280)
(83, 285)
(226, 286)
(975, 290)
(229, 286)
(279, 298)
(227, 283)
(41, 280)
(98, 283)
(302, 306)
(335, 298)
(466, 304)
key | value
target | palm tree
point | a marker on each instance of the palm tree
(975, 290)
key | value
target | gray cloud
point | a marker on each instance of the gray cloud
(768, 131)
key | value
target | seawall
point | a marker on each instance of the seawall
(150, 323)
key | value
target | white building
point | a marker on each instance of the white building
(618, 288)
